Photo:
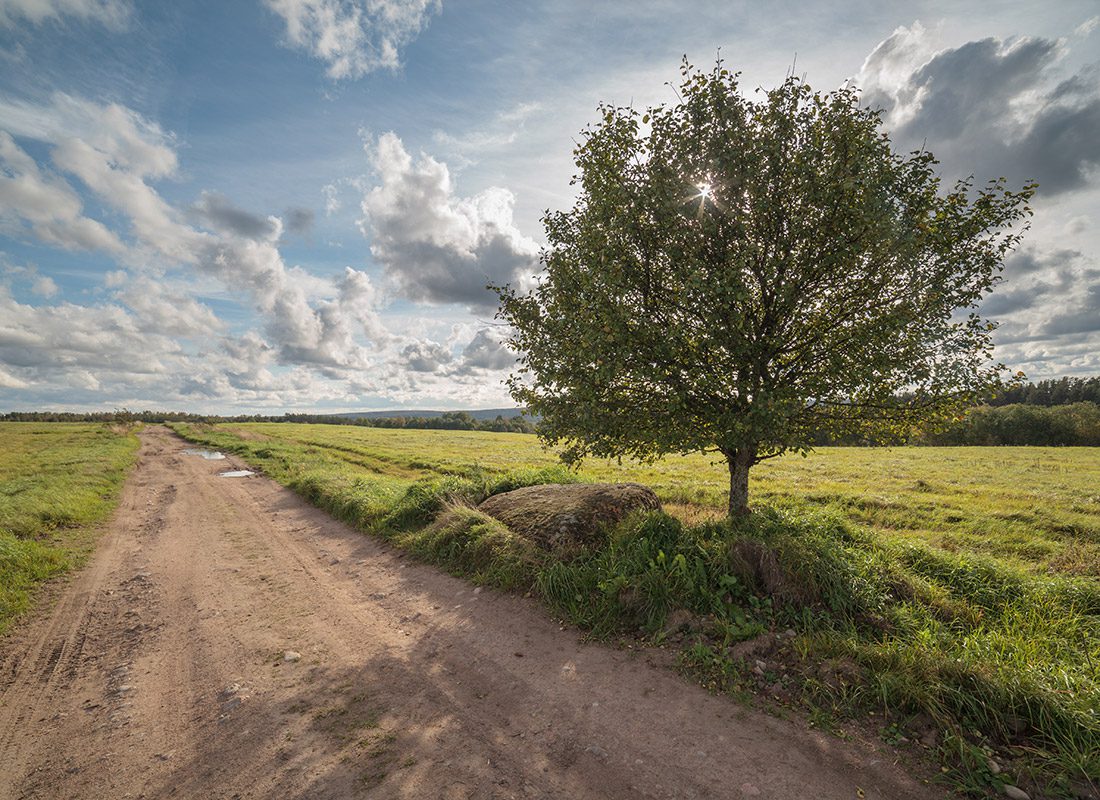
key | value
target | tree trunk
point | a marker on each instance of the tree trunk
(739, 462)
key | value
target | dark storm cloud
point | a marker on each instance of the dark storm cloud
(991, 108)
(1045, 294)
(215, 210)
(1083, 315)
(299, 220)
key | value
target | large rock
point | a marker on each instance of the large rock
(565, 517)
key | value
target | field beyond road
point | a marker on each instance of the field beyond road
(946, 596)
(228, 640)
(1033, 507)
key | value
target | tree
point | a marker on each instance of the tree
(738, 275)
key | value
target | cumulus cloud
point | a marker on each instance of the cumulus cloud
(167, 310)
(354, 37)
(486, 351)
(118, 156)
(150, 345)
(44, 286)
(46, 204)
(990, 107)
(435, 246)
(112, 13)
(426, 356)
(68, 338)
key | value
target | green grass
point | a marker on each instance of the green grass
(57, 482)
(951, 589)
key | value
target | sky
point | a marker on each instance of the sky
(275, 205)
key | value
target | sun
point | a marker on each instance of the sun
(704, 191)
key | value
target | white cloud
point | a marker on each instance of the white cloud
(426, 356)
(44, 286)
(46, 204)
(354, 37)
(117, 154)
(435, 246)
(112, 13)
(167, 310)
(486, 351)
(501, 132)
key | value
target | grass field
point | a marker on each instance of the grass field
(57, 482)
(951, 590)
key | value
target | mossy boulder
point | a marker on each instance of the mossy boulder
(568, 517)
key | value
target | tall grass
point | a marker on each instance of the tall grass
(57, 482)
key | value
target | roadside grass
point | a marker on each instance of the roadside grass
(948, 594)
(58, 481)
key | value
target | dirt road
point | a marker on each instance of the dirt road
(228, 641)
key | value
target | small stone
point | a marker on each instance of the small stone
(994, 767)
(477, 590)
(761, 665)
(789, 633)
(290, 656)
(1015, 792)
(597, 751)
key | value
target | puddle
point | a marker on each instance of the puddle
(209, 455)
(236, 473)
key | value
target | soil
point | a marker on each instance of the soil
(227, 640)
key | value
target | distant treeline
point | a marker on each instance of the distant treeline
(449, 420)
(1047, 418)
(1077, 424)
(1052, 392)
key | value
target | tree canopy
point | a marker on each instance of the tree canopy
(738, 274)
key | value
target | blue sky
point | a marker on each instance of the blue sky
(266, 205)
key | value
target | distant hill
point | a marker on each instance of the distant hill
(481, 413)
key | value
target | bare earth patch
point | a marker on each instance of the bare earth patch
(227, 640)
